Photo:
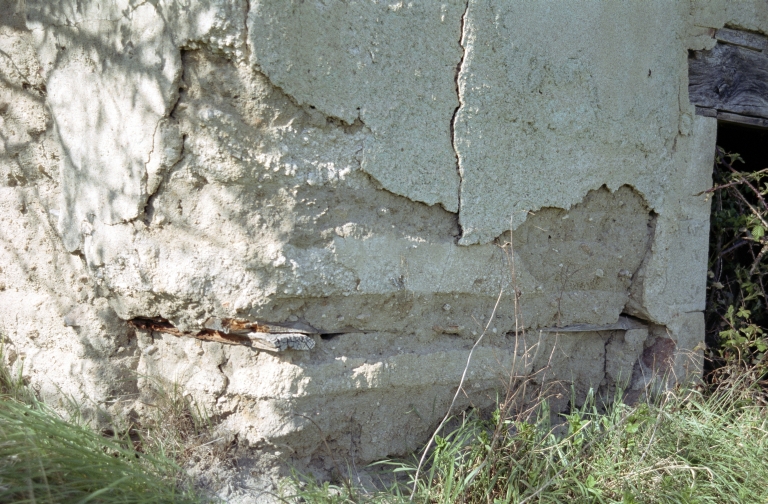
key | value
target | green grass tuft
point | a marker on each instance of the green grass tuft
(46, 459)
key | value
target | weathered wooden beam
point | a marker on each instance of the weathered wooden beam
(742, 38)
(706, 112)
(740, 119)
(731, 79)
(732, 118)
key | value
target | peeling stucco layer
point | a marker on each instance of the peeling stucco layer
(561, 98)
(390, 174)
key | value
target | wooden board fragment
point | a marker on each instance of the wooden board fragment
(730, 79)
(706, 112)
(740, 119)
(243, 327)
(742, 38)
(267, 337)
(282, 341)
(732, 118)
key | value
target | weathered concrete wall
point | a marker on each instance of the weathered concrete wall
(355, 168)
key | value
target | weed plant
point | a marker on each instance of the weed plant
(737, 319)
(45, 459)
(174, 426)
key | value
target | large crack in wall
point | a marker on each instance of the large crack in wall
(459, 70)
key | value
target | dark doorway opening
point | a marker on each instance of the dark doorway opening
(738, 254)
(750, 142)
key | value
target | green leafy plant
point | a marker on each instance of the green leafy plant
(737, 320)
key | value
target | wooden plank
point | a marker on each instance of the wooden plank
(740, 119)
(742, 38)
(730, 79)
(706, 112)
(732, 118)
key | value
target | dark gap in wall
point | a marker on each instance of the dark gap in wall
(751, 143)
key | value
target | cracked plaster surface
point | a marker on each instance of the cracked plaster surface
(545, 107)
(285, 181)
(390, 65)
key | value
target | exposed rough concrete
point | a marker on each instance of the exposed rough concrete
(354, 168)
(577, 266)
(384, 389)
(53, 320)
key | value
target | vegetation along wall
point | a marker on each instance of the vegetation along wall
(305, 213)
